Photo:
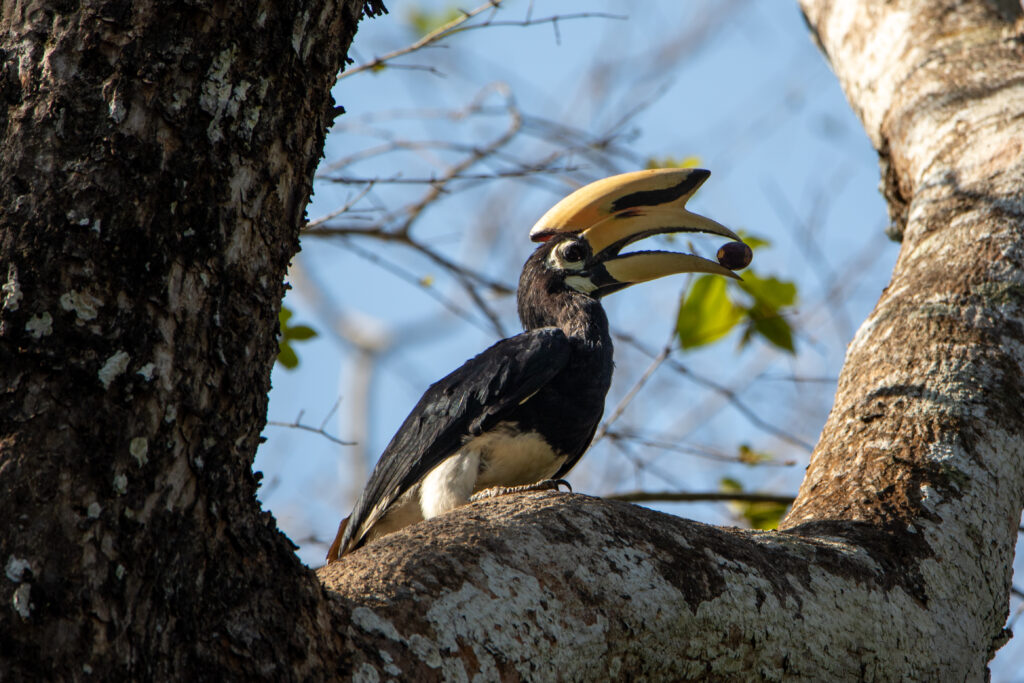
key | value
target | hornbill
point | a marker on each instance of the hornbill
(519, 415)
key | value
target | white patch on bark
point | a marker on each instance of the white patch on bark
(216, 92)
(367, 620)
(365, 674)
(114, 366)
(40, 326)
(146, 371)
(121, 484)
(21, 600)
(139, 448)
(425, 650)
(251, 116)
(298, 35)
(872, 87)
(16, 568)
(116, 108)
(94, 510)
(85, 305)
(10, 292)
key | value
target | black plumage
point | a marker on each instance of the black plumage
(551, 381)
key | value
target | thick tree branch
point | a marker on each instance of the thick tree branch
(895, 560)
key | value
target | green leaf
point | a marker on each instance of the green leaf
(749, 456)
(730, 485)
(706, 314)
(773, 327)
(762, 515)
(771, 291)
(672, 162)
(765, 317)
(753, 241)
(765, 515)
(423, 22)
(286, 355)
(299, 333)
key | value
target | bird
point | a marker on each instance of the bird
(520, 415)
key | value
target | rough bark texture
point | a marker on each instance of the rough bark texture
(157, 158)
(156, 162)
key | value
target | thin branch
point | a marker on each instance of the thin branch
(434, 180)
(734, 399)
(729, 394)
(330, 414)
(698, 451)
(344, 209)
(411, 278)
(642, 465)
(515, 125)
(701, 497)
(434, 36)
(297, 424)
(460, 25)
(631, 394)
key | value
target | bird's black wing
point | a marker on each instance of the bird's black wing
(466, 403)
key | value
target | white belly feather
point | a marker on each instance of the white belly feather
(501, 457)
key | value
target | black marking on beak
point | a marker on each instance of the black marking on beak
(665, 196)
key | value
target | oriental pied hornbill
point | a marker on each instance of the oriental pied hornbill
(521, 413)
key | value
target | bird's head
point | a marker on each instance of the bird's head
(585, 233)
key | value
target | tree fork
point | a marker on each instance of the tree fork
(895, 561)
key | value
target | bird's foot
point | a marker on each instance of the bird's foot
(495, 491)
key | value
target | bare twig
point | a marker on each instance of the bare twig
(515, 173)
(729, 394)
(297, 424)
(631, 394)
(343, 209)
(460, 25)
(330, 413)
(698, 451)
(700, 497)
(411, 278)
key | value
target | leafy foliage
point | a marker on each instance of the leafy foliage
(708, 312)
(672, 162)
(286, 355)
(422, 21)
(749, 456)
(760, 515)
(764, 317)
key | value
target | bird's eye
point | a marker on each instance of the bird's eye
(572, 252)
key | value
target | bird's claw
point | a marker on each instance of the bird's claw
(495, 491)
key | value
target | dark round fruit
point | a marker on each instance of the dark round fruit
(735, 255)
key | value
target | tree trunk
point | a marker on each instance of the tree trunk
(154, 187)
(157, 161)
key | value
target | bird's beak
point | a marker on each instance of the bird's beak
(614, 212)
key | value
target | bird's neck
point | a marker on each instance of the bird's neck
(580, 317)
